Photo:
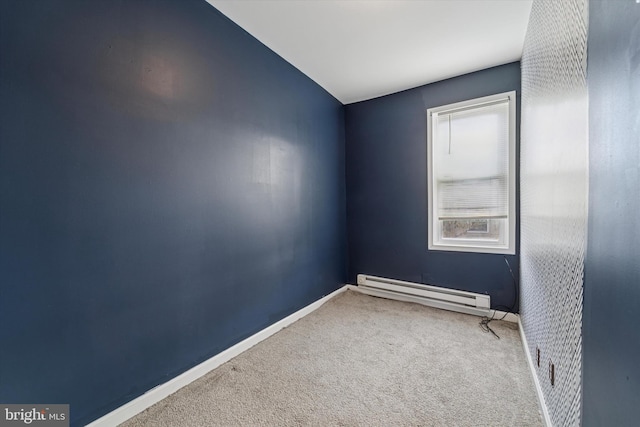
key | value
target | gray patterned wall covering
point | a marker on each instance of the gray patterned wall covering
(554, 192)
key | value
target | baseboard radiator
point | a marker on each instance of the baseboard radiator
(433, 296)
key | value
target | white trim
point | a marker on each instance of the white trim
(156, 394)
(541, 402)
(434, 243)
(508, 317)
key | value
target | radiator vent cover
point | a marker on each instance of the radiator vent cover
(433, 296)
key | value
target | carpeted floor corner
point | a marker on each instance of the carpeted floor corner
(365, 361)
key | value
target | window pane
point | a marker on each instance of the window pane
(471, 162)
(487, 230)
(471, 186)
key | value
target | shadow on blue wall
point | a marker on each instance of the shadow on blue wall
(611, 340)
(168, 187)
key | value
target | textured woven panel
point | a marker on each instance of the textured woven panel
(554, 191)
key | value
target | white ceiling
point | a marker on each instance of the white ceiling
(361, 49)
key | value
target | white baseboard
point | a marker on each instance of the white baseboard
(541, 402)
(498, 315)
(508, 317)
(156, 394)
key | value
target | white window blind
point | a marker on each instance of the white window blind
(471, 161)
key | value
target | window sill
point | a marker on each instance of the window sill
(473, 249)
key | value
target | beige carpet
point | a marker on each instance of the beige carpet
(365, 361)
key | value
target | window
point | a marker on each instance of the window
(471, 170)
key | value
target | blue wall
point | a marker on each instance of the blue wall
(387, 188)
(611, 377)
(168, 187)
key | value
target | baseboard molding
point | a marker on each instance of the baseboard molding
(497, 314)
(508, 317)
(541, 402)
(156, 394)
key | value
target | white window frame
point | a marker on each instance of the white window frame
(508, 247)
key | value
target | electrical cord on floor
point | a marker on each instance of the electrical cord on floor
(484, 323)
